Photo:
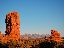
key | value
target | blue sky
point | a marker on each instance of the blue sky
(36, 16)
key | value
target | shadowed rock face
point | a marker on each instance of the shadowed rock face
(12, 25)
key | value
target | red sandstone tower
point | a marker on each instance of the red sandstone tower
(13, 25)
(55, 36)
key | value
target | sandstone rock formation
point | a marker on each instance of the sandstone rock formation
(55, 35)
(12, 25)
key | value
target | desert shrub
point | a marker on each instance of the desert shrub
(3, 45)
(47, 44)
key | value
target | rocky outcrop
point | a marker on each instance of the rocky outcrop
(55, 35)
(12, 25)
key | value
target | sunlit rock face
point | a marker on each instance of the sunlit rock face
(1, 36)
(12, 25)
(55, 35)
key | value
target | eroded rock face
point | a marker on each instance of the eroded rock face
(55, 35)
(12, 25)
